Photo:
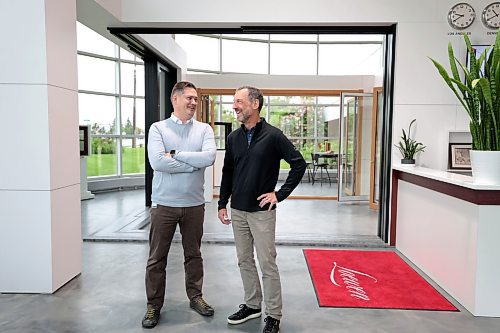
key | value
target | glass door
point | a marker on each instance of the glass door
(355, 146)
(377, 113)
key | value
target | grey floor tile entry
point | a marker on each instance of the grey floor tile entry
(122, 216)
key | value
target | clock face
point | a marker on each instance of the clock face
(491, 15)
(461, 16)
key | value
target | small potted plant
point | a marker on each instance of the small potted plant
(409, 147)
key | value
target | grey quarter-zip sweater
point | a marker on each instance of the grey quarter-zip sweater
(178, 181)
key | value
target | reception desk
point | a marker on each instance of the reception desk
(449, 228)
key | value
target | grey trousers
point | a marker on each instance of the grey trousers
(258, 229)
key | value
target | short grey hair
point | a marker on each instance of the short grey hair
(253, 94)
(180, 86)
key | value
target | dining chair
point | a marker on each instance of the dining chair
(317, 165)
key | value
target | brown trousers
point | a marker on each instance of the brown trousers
(164, 221)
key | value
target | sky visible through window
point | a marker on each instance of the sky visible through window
(284, 54)
(111, 100)
(256, 54)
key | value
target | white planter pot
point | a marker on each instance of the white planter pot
(485, 167)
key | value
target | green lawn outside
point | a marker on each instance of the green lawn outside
(133, 162)
(105, 164)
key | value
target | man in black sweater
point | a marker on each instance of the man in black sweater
(249, 177)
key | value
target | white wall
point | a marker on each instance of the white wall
(39, 188)
(100, 14)
(112, 6)
(422, 31)
(173, 53)
(94, 16)
(278, 11)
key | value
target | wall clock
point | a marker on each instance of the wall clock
(461, 16)
(491, 15)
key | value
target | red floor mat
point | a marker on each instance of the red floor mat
(370, 279)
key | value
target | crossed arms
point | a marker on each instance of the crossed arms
(183, 161)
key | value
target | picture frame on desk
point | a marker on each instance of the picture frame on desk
(459, 156)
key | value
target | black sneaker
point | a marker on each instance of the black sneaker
(245, 313)
(151, 318)
(199, 305)
(272, 325)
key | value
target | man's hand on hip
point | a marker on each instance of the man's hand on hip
(268, 198)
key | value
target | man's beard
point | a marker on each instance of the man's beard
(242, 118)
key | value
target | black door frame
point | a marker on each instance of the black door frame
(152, 69)
(153, 65)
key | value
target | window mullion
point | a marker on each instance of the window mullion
(118, 117)
(268, 56)
(317, 55)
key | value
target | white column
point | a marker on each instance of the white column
(40, 232)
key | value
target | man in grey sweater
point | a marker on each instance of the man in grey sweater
(179, 150)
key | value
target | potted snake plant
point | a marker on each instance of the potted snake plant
(408, 147)
(479, 93)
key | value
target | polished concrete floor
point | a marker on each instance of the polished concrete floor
(109, 294)
(122, 215)
(109, 297)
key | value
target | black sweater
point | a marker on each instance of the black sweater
(249, 172)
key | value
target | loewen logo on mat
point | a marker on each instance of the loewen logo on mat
(370, 279)
(352, 280)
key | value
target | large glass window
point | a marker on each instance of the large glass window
(90, 41)
(202, 51)
(306, 123)
(111, 101)
(102, 161)
(295, 59)
(132, 79)
(343, 59)
(275, 54)
(133, 112)
(310, 122)
(133, 151)
(351, 38)
(293, 37)
(99, 111)
(244, 56)
(96, 74)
